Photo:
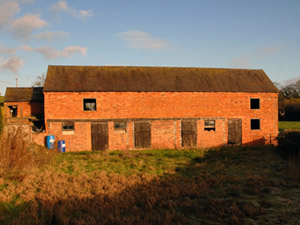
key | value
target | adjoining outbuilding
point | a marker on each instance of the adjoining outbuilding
(24, 109)
(25, 103)
(111, 107)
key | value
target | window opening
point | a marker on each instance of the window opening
(13, 110)
(254, 103)
(209, 125)
(120, 126)
(89, 104)
(67, 126)
(255, 124)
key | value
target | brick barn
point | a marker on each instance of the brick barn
(24, 104)
(110, 107)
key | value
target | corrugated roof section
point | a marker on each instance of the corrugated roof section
(157, 79)
(33, 94)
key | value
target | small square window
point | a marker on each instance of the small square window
(13, 110)
(254, 103)
(67, 126)
(120, 126)
(89, 104)
(209, 125)
(255, 124)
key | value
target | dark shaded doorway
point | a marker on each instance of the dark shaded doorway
(142, 134)
(189, 133)
(99, 136)
(235, 131)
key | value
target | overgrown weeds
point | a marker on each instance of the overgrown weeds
(226, 186)
(1, 116)
(17, 156)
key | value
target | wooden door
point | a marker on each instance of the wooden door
(235, 131)
(99, 136)
(189, 133)
(142, 134)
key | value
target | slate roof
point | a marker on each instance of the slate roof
(156, 79)
(24, 94)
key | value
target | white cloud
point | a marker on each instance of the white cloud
(18, 1)
(62, 6)
(51, 35)
(140, 39)
(71, 50)
(12, 64)
(9, 51)
(245, 61)
(84, 14)
(27, 48)
(7, 11)
(25, 1)
(51, 53)
(25, 25)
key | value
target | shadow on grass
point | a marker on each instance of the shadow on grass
(228, 186)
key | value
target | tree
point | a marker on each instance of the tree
(298, 87)
(290, 91)
(39, 81)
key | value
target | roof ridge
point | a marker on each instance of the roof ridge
(159, 79)
(162, 67)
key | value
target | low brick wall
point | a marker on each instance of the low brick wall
(39, 138)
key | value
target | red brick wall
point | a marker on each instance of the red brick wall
(210, 138)
(25, 109)
(118, 139)
(134, 105)
(163, 134)
(78, 140)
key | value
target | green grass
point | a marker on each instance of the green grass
(156, 162)
(289, 125)
(232, 185)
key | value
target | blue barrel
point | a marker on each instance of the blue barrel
(62, 146)
(50, 142)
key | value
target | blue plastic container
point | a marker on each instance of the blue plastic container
(50, 142)
(62, 146)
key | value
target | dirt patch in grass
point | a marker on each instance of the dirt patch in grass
(225, 186)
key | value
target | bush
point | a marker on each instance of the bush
(292, 112)
(289, 148)
(289, 110)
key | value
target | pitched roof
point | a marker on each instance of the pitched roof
(157, 79)
(24, 94)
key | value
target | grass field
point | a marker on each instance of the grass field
(289, 125)
(228, 186)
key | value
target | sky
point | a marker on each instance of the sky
(256, 34)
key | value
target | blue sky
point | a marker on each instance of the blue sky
(257, 34)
